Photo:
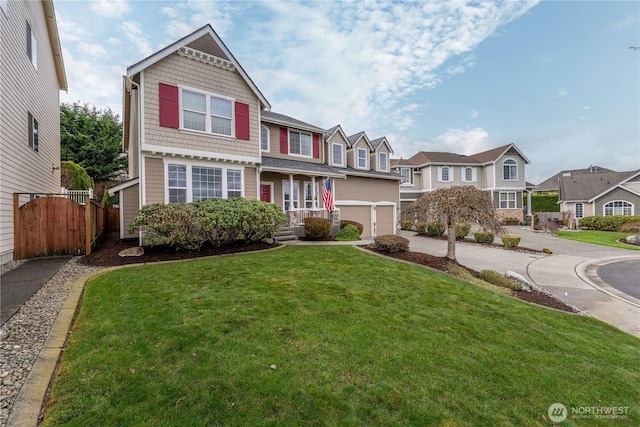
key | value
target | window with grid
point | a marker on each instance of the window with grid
(234, 183)
(510, 170)
(204, 112)
(177, 183)
(383, 161)
(618, 207)
(362, 158)
(445, 174)
(468, 174)
(337, 154)
(264, 138)
(287, 195)
(579, 210)
(300, 143)
(508, 200)
(206, 183)
(406, 175)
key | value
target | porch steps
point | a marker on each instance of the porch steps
(284, 236)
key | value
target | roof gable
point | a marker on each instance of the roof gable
(356, 138)
(203, 38)
(378, 142)
(336, 131)
(583, 187)
(491, 156)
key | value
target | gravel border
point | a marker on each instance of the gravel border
(23, 336)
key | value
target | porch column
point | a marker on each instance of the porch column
(314, 199)
(528, 203)
(291, 205)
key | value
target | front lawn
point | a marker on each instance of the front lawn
(329, 335)
(606, 238)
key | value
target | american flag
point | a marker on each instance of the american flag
(327, 195)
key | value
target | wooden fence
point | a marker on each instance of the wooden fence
(52, 224)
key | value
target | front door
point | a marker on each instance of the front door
(265, 193)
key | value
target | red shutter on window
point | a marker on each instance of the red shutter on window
(169, 109)
(316, 146)
(284, 141)
(242, 120)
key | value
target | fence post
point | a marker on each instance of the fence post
(87, 225)
(16, 226)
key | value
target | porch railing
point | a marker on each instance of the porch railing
(298, 217)
(78, 196)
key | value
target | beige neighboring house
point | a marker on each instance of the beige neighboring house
(31, 77)
(500, 171)
(196, 127)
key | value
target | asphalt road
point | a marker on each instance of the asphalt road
(622, 275)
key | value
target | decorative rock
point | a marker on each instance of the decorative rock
(268, 240)
(519, 278)
(633, 240)
(137, 251)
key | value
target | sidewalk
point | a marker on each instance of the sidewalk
(565, 274)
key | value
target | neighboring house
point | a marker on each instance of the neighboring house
(196, 127)
(601, 193)
(552, 185)
(500, 171)
(31, 77)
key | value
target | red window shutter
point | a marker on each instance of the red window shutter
(316, 146)
(169, 108)
(242, 121)
(284, 141)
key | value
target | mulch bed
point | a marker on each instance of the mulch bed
(106, 255)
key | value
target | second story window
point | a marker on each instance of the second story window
(299, 143)
(510, 170)
(32, 47)
(336, 150)
(208, 113)
(264, 138)
(468, 174)
(362, 158)
(406, 175)
(445, 174)
(383, 162)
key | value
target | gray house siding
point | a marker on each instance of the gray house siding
(614, 195)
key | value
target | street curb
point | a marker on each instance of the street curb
(584, 272)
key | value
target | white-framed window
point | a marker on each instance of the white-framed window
(33, 132)
(196, 182)
(508, 200)
(509, 170)
(300, 143)
(32, 47)
(406, 176)
(383, 161)
(206, 112)
(579, 210)
(4, 5)
(264, 138)
(445, 174)
(618, 207)
(469, 174)
(362, 158)
(311, 195)
(337, 153)
(286, 195)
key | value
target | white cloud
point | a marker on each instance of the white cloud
(474, 114)
(110, 8)
(133, 32)
(92, 49)
(586, 107)
(563, 93)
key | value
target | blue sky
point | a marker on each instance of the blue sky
(556, 78)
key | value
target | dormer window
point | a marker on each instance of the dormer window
(383, 161)
(362, 158)
(337, 154)
(510, 170)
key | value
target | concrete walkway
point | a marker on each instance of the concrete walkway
(569, 273)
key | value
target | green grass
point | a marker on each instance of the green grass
(357, 340)
(606, 238)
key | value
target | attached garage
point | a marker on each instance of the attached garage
(385, 219)
(376, 218)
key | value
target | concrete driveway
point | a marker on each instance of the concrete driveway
(570, 273)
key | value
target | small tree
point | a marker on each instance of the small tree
(74, 177)
(455, 205)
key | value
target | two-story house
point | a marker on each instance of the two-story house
(500, 171)
(31, 77)
(196, 127)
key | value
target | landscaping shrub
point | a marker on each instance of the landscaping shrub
(435, 229)
(607, 223)
(220, 221)
(349, 233)
(406, 225)
(391, 243)
(421, 227)
(483, 237)
(462, 231)
(317, 228)
(542, 202)
(498, 279)
(345, 222)
(510, 242)
(630, 227)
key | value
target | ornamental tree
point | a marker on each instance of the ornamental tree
(455, 205)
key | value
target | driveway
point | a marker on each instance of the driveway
(569, 273)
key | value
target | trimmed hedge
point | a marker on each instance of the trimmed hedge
(542, 202)
(349, 233)
(510, 242)
(498, 279)
(462, 231)
(220, 221)
(435, 229)
(607, 223)
(482, 237)
(391, 243)
(421, 227)
(345, 222)
(406, 225)
(317, 228)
